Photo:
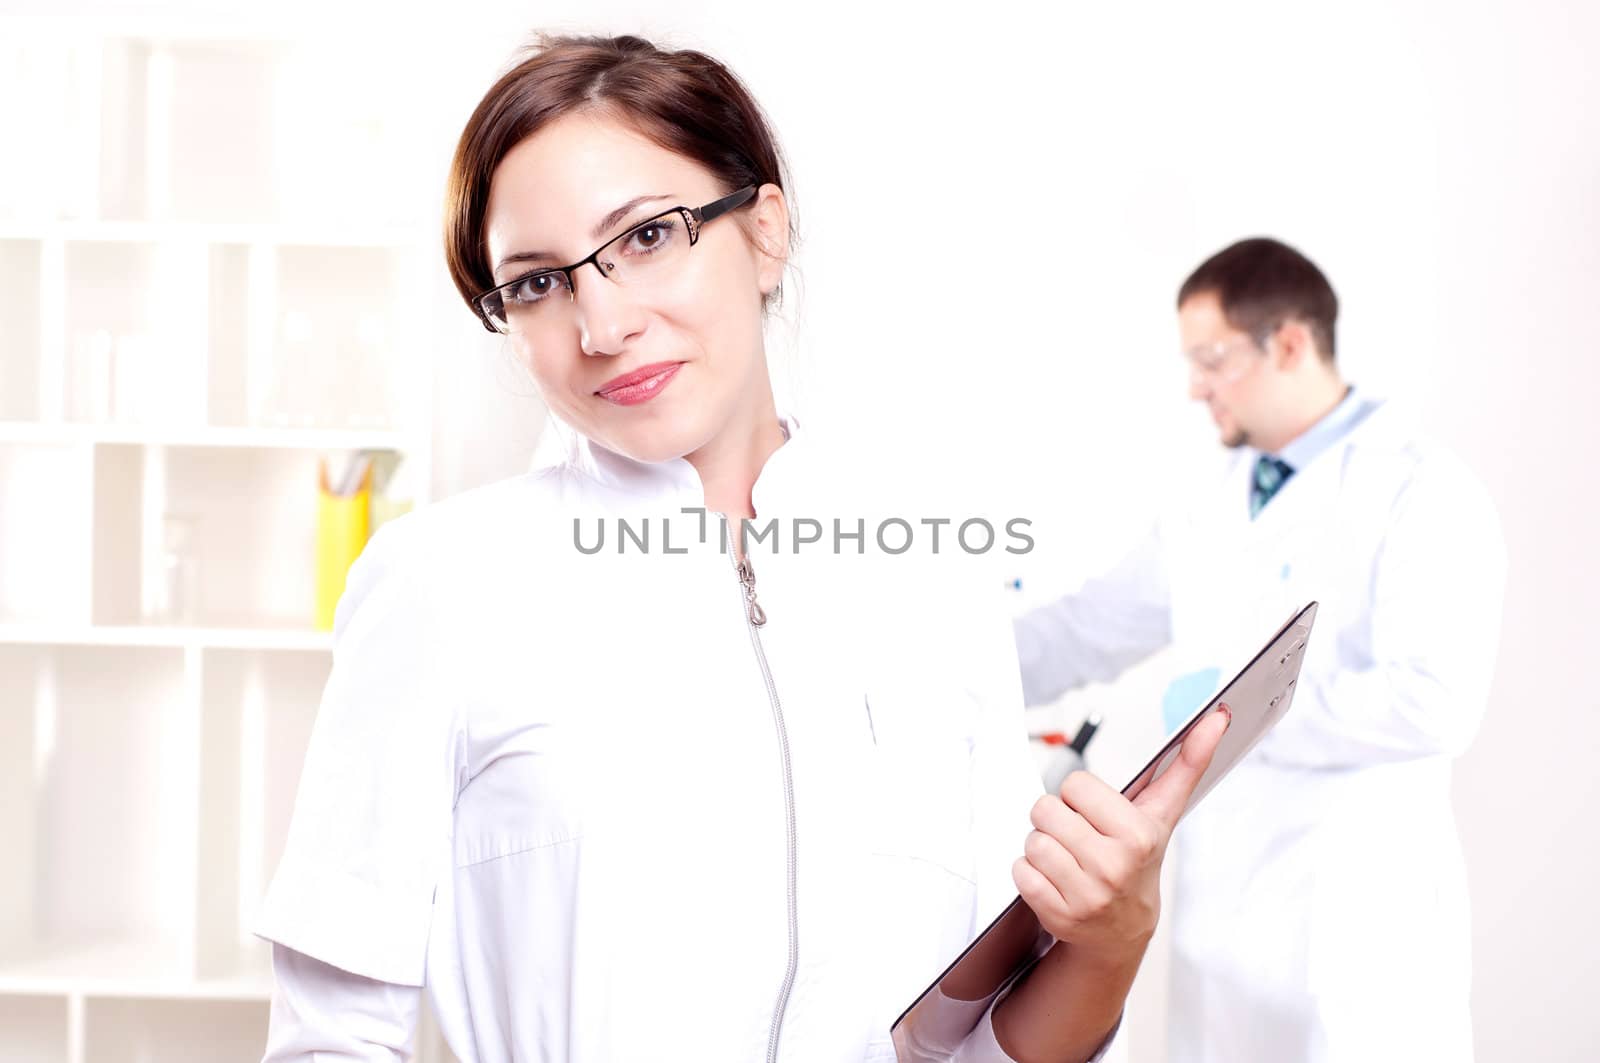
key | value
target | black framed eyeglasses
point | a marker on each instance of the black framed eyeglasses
(649, 248)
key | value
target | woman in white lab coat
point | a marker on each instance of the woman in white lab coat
(609, 792)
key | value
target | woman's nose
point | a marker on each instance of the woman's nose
(607, 317)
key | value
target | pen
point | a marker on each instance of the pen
(1080, 741)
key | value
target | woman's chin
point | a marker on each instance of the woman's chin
(651, 442)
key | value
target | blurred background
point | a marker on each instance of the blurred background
(220, 269)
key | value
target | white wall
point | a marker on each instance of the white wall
(997, 203)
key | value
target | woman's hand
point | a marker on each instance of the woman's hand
(1091, 872)
(1091, 867)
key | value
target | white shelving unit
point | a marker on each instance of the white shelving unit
(208, 283)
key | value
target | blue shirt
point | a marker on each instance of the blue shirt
(1334, 426)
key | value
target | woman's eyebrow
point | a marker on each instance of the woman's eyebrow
(604, 225)
(610, 220)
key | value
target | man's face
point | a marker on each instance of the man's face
(1228, 370)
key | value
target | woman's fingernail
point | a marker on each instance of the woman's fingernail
(1227, 713)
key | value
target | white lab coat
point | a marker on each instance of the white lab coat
(1320, 909)
(549, 786)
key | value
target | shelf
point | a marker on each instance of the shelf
(19, 345)
(167, 637)
(228, 536)
(206, 129)
(259, 709)
(172, 145)
(55, 130)
(141, 339)
(217, 232)
(339, 323)
(127, 968)
(174, 1031)
(99, 743)
(236, 333)
(317, 439)
(45, 522)
(134, 351)
(33, 1029)
(189, 27)
(212, 279)
(149, 793)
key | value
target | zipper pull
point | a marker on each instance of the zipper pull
(747, 580)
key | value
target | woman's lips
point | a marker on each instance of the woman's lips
(641, 385)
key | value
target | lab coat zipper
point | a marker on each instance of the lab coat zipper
(755, 618)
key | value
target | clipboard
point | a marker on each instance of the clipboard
(1257, 698)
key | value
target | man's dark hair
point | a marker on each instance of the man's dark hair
(1262, 283)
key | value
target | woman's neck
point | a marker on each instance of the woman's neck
(729, 464)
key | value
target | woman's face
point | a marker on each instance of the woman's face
(700, 322)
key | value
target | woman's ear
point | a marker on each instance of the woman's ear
(769, 221)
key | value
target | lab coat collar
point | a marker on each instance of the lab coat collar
(1382, 429)
(1328, 431)
(1360, 421)
(675, 481)
(1390, 426)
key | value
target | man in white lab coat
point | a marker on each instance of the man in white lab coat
(1320, 912)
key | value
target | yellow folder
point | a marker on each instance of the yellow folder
(342, 524)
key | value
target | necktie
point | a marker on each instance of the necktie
(1270, 476)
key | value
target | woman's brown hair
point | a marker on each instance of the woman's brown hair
(685, 101)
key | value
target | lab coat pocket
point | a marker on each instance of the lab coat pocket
(921, 860)
(922, 810)
(1308, 561)
(921, 776)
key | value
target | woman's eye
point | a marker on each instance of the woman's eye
(532, 289)
(652, 237)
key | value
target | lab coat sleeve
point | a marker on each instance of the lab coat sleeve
(981, 1046)
(369, 836)
(970, 1036)
(1093, 634)
(1421, 685)
(320, 1012)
